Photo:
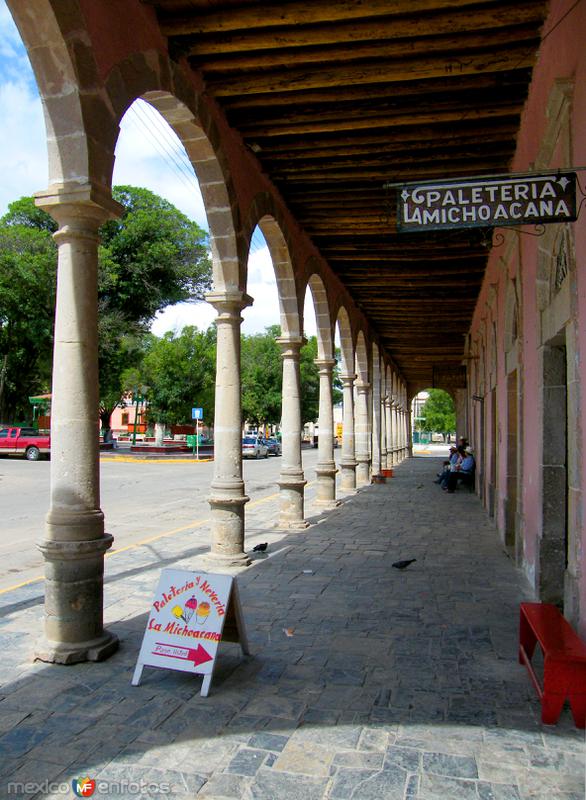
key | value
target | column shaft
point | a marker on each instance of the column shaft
(383, 434)
(376, 424)
(389, 421)
(227, 498)
(362, 434)
(291, 480)
(348, 464)
(75, 541)
(326, 466)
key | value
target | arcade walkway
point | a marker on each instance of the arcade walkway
(364, 683)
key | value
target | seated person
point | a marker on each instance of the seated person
(464, 471)
(456, 457)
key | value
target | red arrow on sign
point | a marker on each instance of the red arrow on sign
(199, 655)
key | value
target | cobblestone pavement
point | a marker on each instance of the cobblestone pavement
(393, 685)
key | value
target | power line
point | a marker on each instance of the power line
(170, 148)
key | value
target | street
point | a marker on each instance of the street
(141, 500)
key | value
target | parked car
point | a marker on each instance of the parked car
(274, 447)
(25, 442)
(254, 447)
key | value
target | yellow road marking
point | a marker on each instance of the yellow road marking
(135, 460)
(195, 524)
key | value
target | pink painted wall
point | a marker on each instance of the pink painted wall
(562, 56)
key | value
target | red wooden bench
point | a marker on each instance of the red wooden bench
(564, 661)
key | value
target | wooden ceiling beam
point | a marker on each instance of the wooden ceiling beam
(404, 159)
(315, 57)
(408, 173)
(448, 21)
(389, 71)
(516, 80)
(401, 135)
(393, 150)
(361, 119)
(262, 15)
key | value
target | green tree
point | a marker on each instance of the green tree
(438, 414)
(152, 257)
(309, 381)
(27, 303)
(178, 372)
(262, 377)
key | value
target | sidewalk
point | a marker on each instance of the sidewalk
(393, 685)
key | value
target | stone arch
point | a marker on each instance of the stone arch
(346, 343)
(198, 137)
(83, 111)
(264, 214)
(325, 340)
(361, 358)
(44, 36)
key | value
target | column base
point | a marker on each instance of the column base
(363, 473)
(327, 505)
(292, 525)
(75, 652)
(218, 562)
(292, 501)
(326, 485)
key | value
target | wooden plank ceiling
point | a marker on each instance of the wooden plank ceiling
(339, 97)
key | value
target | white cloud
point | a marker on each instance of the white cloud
(264, 312)
(23, 149)
(139, 162)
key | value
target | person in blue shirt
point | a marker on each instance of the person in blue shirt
(464, 471)
(449, 466)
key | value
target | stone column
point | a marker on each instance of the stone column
(291, 480)
(326, 466)
(408, 421)
(383, 433)
(75, 541)
(389, 430)
(376, 424)
(227, 498)
(362, 449)
(395, 431)
(403, 434)
(348, 453)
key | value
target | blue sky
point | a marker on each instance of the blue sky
(139, 162)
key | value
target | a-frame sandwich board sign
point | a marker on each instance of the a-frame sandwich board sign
(191, 613)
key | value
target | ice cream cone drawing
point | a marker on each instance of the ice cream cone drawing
(203, 612)
(177, 611)
(189, 608)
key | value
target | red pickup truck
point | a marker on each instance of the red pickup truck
(26, 442)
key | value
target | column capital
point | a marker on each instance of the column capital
(363, 388)
(229, 302)
(290, 345)
(348, 380)
(79, 206)
(325, 365)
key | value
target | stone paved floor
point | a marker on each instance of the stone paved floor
(393, 685)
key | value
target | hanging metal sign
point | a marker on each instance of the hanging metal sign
(487, 202)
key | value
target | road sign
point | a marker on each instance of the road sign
(190, 614)
(197, 413)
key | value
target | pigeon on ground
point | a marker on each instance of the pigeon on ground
(260, 548)
(403, 564)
